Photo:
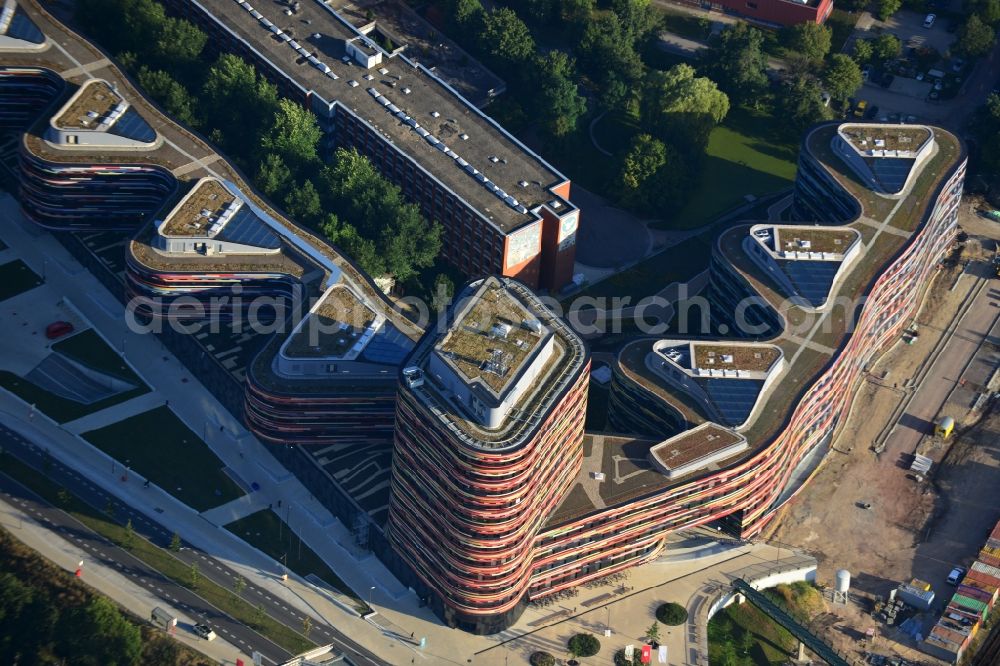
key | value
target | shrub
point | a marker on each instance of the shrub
(542, 659)
(584, 645)
(671, 614)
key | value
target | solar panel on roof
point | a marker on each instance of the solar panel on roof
(133, 126)
(734, 398)
(246, 228)
(811, 279)
(256, 14)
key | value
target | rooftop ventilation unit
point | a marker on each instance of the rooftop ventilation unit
(500, 331)
(406, 91)
(352, 83)
(494, 159)
(461, 162)
(393, 108)
(422, 132)
(435, 114)
(532, 325)
(463, 136)
(522, 183)
(368, 77)
(374, 93)
(383, 71)
(431, 139)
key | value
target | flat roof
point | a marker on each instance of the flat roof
(714, 356)
(695, 444)
(568, 357)
(488, 340)
(332, 328)
(187, 218)
(94, 101)
(868, 137)
(819, 239)
(487, 148)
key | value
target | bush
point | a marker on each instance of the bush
(542, 659)
(671, 614)
(584, 645)
(622, 660)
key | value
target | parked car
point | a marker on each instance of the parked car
(938, 85)
(929, 21)
(58, 329)
(955, 577)
(957, 64)
(872, 112)
(866, 72)
(919, 76)
(204, 631)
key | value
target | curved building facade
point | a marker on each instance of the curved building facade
(489, 438)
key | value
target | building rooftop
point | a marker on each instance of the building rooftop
(495, 407)
(703, 444)
(189, 217)
(18, 31)
(794, 239)
(884, 140)
(490, 339)
(751, 358)
(90, 107)
(448, 137)
(337, 323)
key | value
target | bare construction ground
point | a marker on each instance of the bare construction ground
(912, 529)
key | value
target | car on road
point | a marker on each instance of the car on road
(866, 72)
(955, 577)
(929, 21)
(204, 631)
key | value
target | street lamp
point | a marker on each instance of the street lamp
(371, 590)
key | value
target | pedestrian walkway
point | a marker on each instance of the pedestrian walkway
(127, 594)
(241, 507)
(115, 413)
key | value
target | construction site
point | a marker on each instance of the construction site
(908, 492)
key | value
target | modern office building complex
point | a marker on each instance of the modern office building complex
(503, 210)
(489, 439)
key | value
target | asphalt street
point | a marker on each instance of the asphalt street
(106, 553)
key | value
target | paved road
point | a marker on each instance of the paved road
(105, 552)
(917, 421)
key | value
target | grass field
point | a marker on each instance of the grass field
(90, 349)
(16, 278)
(270, 534)
(676, 264)
(157, 445)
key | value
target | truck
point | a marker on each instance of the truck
(163, 619)
(944, 427)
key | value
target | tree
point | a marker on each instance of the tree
(886, 8)
(621, 660)
(307, 625)
(560, 104)
(671, 614)
(238, 99)
(505, 37)
(653, 633)
(444, 291)
(294, 135)
(800, 101)
(584, 645)
(684, 108)
(863, 51)
(273, 176)
(644, 158)
(172, 96)
(887, 46)
(303, 203)
(542, 658)
(193, 576)
(239, 585)
(466, 14)
(988, 10)
(735, 60)
(576, 12)
(636, 18)
(175, 542)
(128, 540)
(809, 40)
(976, 38)
(258, 616)
(179, 42)
(97, 634)
(842, 77)
(606, 54)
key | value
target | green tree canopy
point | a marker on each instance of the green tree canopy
(864, 52)
(273, 176)
(735, 59)
(644, 158)
(976, 38)
(683, 107)
(168, 93)
(800, 102)
(466, 14)
(607, 55)
(237, 98)
(809, 40)
(887, 46)
(99, 635)
(986, 129)
(179, 41)
(303, 203)
(294, 135)
(584, 645)
(988, 10)
(671, 614)
(559, 103)
(636, 18)
(886, 8)
(842, 76)
(505, 37)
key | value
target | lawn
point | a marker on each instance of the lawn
(676, 264)
(90, 349)
(270, 534)
(157, 445)
(15, 278)
(750, 153)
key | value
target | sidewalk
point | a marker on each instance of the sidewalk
(107, 581)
